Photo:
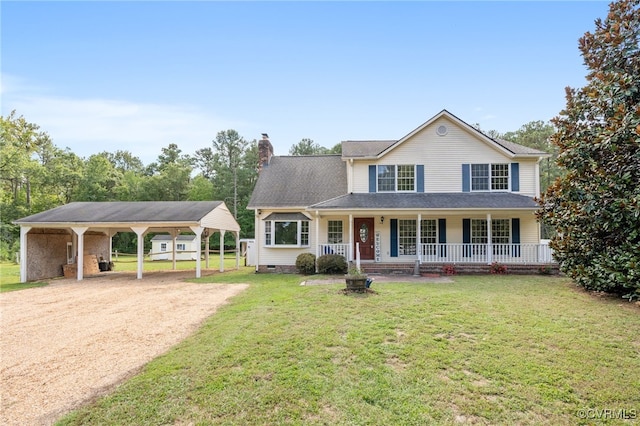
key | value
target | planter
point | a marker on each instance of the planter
(355, 283)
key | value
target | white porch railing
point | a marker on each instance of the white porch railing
(486, 253)
(341, 249)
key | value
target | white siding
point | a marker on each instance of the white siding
(443, 156)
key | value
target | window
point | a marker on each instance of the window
(500, 231)
(386, 178)
(267, 233)
(335, 232)
(479, 177)
(163, 246)
(500, 234)
(286, 233)
(400, 178)
(429, 235)
(406, 237)
(406, 178)
(181, 246)
(499, 177)
(489, 177)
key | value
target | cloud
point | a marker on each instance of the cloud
(92, 125)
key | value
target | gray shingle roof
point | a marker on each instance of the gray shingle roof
(299, 181)
(364, 148)
(124, 212)
(519, 149)
(463, 200)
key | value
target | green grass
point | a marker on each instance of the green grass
(482, 350)
(10, 278)
(128, 262)
(10, 272)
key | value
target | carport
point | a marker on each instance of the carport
(65, 234)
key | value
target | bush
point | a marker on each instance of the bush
(332, 264)
(306, 263)
(449, 270)
(498, 268)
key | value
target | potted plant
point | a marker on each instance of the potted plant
(356, 280)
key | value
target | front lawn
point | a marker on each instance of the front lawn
(481, 350)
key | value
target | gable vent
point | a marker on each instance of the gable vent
(442, 130)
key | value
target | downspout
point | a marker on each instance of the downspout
(258, 238)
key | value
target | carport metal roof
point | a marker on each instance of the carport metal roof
(137, 216)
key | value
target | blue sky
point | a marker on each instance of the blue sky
(138, 76)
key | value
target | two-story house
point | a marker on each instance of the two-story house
(443, 194)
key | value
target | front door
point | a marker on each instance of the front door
(363, 234)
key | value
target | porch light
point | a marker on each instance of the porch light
(381, 219)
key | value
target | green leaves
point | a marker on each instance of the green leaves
(594, 206)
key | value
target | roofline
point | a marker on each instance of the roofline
(468, 127)
(105, 224)
(484, 209)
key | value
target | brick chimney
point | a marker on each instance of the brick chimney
(265, 151)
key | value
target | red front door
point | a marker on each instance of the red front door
(364, 234)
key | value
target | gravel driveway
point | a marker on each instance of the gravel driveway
(64, 344)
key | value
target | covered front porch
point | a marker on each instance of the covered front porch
(510, 237)
(459, 253)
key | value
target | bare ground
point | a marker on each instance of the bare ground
(67, 343)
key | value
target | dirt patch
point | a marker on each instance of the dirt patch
(67, 343)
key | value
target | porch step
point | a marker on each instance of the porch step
(436, 269)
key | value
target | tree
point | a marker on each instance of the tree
(307, 147)
(595, 206)
(170, 177)
(228, 153)
(537, 134)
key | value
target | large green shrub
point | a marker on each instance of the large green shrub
(306, 263)
(332, 264)
(595, 206)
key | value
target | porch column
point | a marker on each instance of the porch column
(317, 237)
(24, 230)
(198, 231)
(489, 238)
(80, 230)
(418, 239)
(350, 256)
(222, 250)
(140, 231)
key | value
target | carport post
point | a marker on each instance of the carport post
(140, 230)
(198, 231)
(24, 230)
(80, 230)
(222, 250)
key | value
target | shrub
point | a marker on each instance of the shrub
(332, 264)
(449, 269)
(498, 268)
(306, 263)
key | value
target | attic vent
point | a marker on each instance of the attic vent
(441, 130)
